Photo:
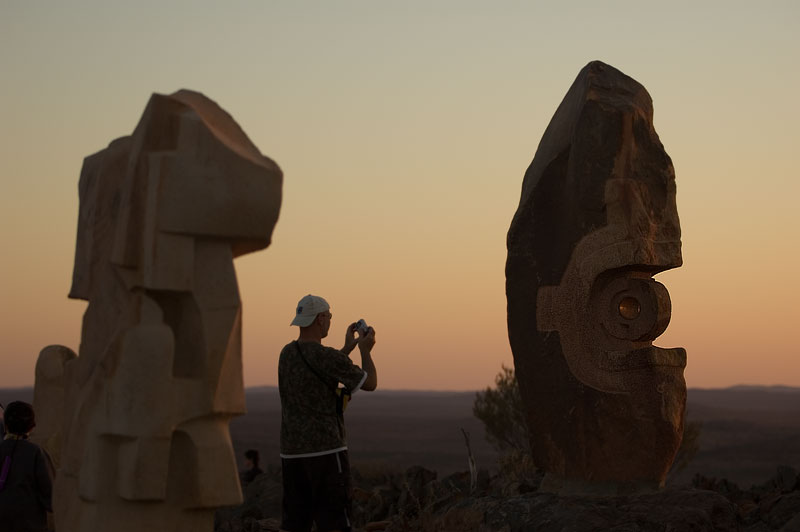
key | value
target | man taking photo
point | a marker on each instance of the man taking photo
(316, 470)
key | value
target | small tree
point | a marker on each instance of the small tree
(503, 416)
(501, 411)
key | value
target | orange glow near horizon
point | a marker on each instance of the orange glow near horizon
(404, 131)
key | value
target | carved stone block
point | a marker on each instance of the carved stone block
(145, 406)
(596, 220)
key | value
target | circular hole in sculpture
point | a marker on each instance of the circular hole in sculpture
(629, 308)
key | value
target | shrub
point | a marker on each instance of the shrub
(501, 411)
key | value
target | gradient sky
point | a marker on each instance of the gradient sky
(404, 130)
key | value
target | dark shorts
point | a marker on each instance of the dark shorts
(317, 489)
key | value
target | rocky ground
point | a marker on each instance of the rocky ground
(416, 500)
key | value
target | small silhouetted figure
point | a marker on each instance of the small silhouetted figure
(25, 474)
(251, 459)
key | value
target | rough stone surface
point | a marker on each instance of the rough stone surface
(682, 510)
(381, 503)
(146, 404)
(772, 505)
(596, 220)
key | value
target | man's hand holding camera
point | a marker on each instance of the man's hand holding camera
(365, 342)
(350, 340)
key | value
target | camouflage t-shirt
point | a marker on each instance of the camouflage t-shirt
(310, 424)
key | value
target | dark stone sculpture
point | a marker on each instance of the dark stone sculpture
(597, 219)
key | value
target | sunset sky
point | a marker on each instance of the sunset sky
(404, 130)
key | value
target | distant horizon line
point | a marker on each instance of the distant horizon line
(781, 388)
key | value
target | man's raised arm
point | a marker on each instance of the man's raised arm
(365, 345)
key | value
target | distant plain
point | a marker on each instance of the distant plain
(746, 432)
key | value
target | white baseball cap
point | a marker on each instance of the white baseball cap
(307, 310)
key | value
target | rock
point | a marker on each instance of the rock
(793, 525)
(446, 504)
(782, 510)
(376, 526)
(262, 502)
(768, 506)
(269, 525)
(382, 503)
(416, 493)
(748, 511)
(679, 510)
(597, 219)
(787, 479)
(375, 495)
(724, 486)
(147, 402)
(758, 527)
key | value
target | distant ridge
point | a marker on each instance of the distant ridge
(20, 389)
(747, 398)
(24, 393)
(737, 388)
(379, 391)
(777, 388)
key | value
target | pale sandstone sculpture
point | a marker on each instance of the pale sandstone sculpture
(146, 406)
(48, 398)
(597, 219)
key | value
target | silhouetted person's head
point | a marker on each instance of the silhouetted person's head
(19, 418)
(313, 316)
(252, 456)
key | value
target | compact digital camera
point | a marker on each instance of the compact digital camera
(362, 327)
